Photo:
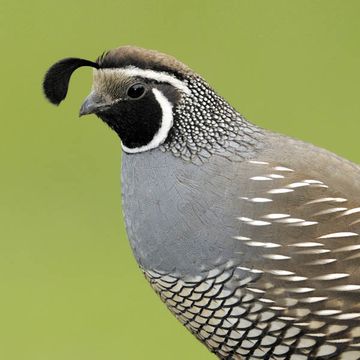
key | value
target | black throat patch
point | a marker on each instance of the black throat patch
(135, 121)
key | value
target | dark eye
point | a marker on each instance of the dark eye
(136, 91)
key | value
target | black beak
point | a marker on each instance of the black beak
(92, 104)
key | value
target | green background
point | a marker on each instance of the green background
(69, 286)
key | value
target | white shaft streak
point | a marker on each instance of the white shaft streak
(165, 126)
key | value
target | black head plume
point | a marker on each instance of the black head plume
(56, 81)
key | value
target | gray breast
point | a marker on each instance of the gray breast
(179, 216)
(258, 259)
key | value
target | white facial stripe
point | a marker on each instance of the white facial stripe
(166, 124)
(153, 75)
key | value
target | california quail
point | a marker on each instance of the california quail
(250, 238)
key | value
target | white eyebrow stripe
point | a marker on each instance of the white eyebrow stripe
(159, 76)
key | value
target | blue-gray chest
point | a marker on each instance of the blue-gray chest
(180, 217)
(250, 256)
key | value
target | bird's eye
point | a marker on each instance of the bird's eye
(136, 91)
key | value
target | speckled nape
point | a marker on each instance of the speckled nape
(206, 124)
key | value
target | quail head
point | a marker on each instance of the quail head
(250, 238)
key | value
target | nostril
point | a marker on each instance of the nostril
(86, 108)
(91, 104)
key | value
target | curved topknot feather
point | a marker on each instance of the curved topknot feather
(56, 81)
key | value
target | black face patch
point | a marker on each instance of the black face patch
(135, 121)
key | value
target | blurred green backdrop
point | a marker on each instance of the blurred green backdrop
(69, 287)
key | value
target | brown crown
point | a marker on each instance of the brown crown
(143, 59)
